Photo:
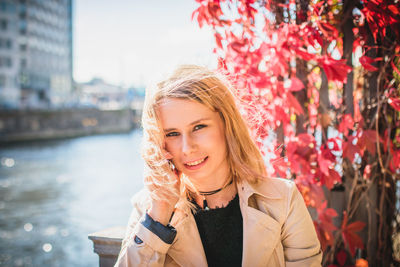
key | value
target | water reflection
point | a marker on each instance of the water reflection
(53, 193)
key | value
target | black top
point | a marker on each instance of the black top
(221, 232)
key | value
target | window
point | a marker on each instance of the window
(3, 6)
(7, 7)
(22, 15)
(23, 63)
(2, 80)
(22, 7)
(8, 44)
(23, 78)
(22, 26)
(12, 8)
(5, 62)
(5, 43)
(3, 24)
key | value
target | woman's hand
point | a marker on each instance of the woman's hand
(162, 208)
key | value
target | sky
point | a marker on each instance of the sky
(137, 42)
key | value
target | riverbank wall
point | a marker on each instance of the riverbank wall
(28, 125)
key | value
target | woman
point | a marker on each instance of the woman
(207, 200)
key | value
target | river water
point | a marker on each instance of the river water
(54, 193)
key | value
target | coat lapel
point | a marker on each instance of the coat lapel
(257, 226)
(187, 249)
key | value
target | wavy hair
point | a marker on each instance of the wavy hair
(214, 91)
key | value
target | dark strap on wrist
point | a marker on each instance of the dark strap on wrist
(165, 233)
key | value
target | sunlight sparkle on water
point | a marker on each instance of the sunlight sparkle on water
(28, 227)
(47, 247)
(8, 162)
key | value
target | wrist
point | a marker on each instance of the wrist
(161, 212)
(165, 233)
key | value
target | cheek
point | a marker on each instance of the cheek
(172, 147)
(214, 141)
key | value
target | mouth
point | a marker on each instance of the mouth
(194, 165)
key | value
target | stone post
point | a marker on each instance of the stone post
(107, 244)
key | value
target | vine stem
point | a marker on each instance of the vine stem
(383, 168)
(353, 186)
(357, 203)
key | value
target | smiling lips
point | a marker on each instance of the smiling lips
(194, 165)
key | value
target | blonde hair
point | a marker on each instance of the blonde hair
(214, 91)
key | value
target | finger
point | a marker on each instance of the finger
(179, 174)
(165, 151)
(166, 154)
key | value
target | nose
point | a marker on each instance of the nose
(188, 144)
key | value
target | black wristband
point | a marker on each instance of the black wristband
(165, 233)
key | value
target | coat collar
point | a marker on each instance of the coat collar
(261, 232)
(264, 188)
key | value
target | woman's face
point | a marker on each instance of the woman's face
(194, 136)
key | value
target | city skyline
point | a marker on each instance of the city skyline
(139, 41)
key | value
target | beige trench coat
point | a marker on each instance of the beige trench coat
(277, 231)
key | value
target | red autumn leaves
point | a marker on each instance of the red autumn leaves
(264, 58)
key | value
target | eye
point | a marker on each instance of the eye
(171, 134)
(199, 126)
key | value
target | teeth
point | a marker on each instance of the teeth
(195, 162)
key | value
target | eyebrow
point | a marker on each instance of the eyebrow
(194, 122)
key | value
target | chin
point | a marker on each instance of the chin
(195, 178)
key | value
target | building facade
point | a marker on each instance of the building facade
(35, 53)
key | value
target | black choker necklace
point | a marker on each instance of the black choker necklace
(208, 193)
